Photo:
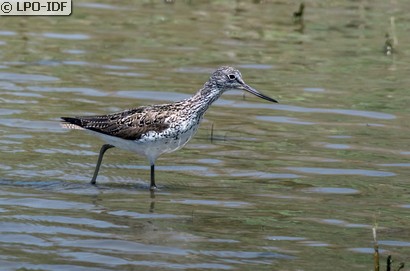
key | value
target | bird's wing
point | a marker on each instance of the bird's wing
(129, 124)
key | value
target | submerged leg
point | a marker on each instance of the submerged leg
(152, 185)
(103, 149)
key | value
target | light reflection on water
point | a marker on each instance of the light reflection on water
(20, 77)
(292, 108)
(338, 171)
(277, 185)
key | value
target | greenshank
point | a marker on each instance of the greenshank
(151, 131)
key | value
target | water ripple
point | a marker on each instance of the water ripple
(34, 125)
(4, 85)
(220, 203)
(4, 111)
(256, 66)
(137, 60)
(152, 95)
(11, 227)
(65, 36)
(246, 254)
(343, 223)
(67, 220)
(395, 243)
(83, 91)
(129, 74)
(7, 33)
(21, 265)
(331, 190)
(336, 146)
(285, 238)
(366, 250)
(199, 70)
(25, 102)
(263, 175)
(314, 89)
(65, 151)
(38, 203)
(25, 239)
(122, 246)
(74, 51)
(144, 216)
(338, 171)
(395, 165)
(19, 77)
(292, 108)
(94, 5)
(91, 257)
(282, 119)
(94, 65)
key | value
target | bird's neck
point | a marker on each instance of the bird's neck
(206, 96)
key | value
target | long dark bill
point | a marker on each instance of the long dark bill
(256, 93)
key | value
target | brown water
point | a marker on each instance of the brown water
(293, 186)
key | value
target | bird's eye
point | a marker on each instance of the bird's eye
(232, 76)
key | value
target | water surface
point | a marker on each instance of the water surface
(291, 186)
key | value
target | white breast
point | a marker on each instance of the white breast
(153, 144)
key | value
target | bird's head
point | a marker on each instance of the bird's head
(228, 78)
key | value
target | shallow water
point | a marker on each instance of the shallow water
(290, 186)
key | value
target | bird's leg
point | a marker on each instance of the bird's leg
(152, 204)
(152, 185)
(103, 149)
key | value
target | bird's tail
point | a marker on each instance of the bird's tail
(71, 123)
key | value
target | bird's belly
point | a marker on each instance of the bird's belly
(153, 144)
(166, 142)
